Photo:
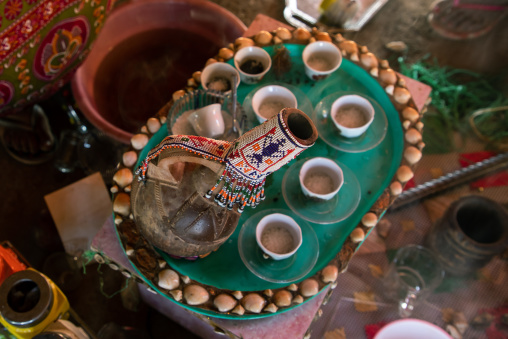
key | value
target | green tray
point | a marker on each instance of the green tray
(374, 169)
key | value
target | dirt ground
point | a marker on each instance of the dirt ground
(397, 20)
(406, 21)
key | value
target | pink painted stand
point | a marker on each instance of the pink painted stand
(291, 324)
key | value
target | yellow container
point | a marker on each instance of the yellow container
(29, 302)
(338, 12)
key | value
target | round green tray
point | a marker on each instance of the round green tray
(375, 168)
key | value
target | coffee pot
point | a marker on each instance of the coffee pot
(191, 190)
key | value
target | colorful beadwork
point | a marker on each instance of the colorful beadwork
(208, 148)
(263, 150)
(249, 160)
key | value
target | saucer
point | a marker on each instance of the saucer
(278, 271)
(302, 100)
(341, 206)
(331, 135)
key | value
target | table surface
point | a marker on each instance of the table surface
(36, 237)
(485, 291)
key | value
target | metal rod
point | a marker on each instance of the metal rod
(447, 181)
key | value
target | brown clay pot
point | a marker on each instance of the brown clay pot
(147, 50)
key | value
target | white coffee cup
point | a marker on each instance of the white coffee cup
(352, 115)
(321, 178)
(321, 58)
(208, 121)
(218, 77)
(270, 100)
(278, 235)
(411, 329)
(255, 56)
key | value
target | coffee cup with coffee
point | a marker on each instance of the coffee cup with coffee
(270, 100)
(352, 115)
(252, 63)
(278, 235)
(321, 58)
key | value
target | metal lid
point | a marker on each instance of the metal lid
(26, 298)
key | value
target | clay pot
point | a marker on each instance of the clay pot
(472, 231)
(147, 50)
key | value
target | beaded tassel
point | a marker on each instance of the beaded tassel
(226, 190)
(262, 196)
(230, 194)
(238, 190)
(246, 193)
(208, 194)
(234, 197)
(254, 198)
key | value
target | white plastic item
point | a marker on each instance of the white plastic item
(411, 329)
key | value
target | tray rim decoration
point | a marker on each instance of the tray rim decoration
(300, 292)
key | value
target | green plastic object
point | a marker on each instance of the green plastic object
(373, 168)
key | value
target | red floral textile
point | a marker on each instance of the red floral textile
(498, 329)
(41, 43)
(496, 179)
(372, 329)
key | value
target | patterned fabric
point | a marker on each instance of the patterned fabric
(41, 43)
(249, 160)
